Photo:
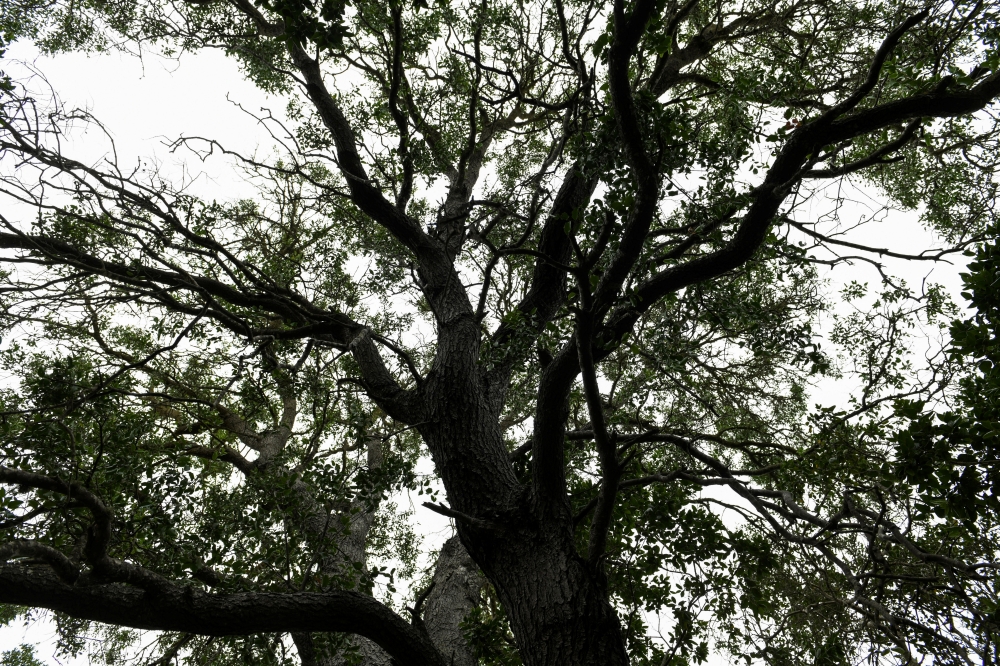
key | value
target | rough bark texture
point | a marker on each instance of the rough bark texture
(556, 604)
(456, 591)
(341, 551)
(558, 612)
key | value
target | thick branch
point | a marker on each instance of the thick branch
(548, 439)
(100, 534)
(875, 158)
(781, 178)
(67, 571)
(185, 609)
(547, 290)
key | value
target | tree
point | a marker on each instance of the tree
(567, 251)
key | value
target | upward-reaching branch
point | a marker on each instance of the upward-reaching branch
(785, 172)
(363, 192)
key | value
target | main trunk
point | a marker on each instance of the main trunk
(556, 607)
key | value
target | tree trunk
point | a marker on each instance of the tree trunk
(339, 552)
(557, 609)
(556, 604)
(456, 591)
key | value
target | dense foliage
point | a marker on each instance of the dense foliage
(557, 268)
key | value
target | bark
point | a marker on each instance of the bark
(314, 652)
(556, 605)
(339, 552)
(186, 609)
(456, 591)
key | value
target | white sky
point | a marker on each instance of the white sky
(145, 104)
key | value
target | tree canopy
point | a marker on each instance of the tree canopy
(557, 267)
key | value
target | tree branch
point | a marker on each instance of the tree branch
(186, 609)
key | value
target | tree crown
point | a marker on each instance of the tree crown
(570, 254)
